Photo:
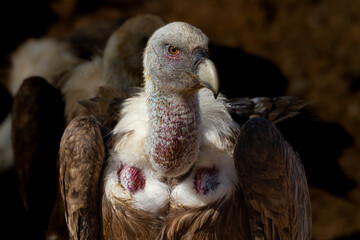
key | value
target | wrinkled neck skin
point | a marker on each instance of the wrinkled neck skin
(174, 140)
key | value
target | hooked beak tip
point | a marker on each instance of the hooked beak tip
(207, 73)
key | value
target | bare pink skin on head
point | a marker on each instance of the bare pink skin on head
(131, 178)
(177, 57)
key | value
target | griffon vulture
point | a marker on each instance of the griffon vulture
(176, 165)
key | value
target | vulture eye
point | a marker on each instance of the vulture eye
(173, 50)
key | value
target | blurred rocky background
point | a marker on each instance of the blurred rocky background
(309, 49)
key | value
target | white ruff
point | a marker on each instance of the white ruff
(217, 129)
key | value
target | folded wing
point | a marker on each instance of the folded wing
(81, 157)
(273, 182)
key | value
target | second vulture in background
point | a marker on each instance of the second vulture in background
(41, 105)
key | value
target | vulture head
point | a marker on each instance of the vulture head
(176, 66)
(176, 60)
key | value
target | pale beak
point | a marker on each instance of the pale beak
(206, 71)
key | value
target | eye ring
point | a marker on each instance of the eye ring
(173, 50)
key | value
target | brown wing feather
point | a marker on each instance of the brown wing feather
(273, 182)
(81, 157)
(121, 221)
(274, 109)
(106, 106)
(37, 125)
(224, 219)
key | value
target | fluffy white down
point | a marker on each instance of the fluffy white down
(217, 128)
(152, 198)
(184, 194)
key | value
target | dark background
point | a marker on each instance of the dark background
(309, 49)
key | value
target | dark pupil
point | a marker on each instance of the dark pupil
(173, 50)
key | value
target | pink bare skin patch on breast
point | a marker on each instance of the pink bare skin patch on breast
(206, 180)
(131, 178)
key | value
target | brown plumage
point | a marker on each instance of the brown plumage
(106, 105)
(224, 219)
(121, 221)
(81, 200)
(37, 123)
(274, 109)
(273, 181)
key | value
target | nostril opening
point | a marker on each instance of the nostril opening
(199, 54)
